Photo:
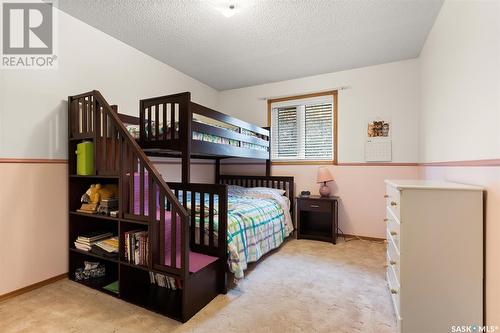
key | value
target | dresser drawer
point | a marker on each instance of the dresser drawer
(315, 206)
(393, 229)
(393, 257)
(393, 200)
(394, 289)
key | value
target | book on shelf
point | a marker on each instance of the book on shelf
(103, 253)
(165, 281)
(83, 247)
(108, 244)
(101, 243)
(136, 247)
(93, 236)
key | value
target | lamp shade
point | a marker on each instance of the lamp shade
(324, 175)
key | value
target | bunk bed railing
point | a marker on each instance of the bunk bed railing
(208, 218)
(219, 116)
(161, 120)
(169, 122)
(144, 194)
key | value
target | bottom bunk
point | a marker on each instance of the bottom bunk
(255, 219)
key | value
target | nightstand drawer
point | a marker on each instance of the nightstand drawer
(315, 205)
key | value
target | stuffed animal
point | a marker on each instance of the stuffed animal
(98, 192)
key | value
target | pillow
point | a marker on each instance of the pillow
(236, 190)
(267, 189)
(239, 190)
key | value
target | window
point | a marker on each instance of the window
(303, 128)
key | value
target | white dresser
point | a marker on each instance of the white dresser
(434, 254)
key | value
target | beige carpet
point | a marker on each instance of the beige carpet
(306, 286)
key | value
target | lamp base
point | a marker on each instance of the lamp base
(324, 190)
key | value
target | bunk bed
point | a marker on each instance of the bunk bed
(184, 220)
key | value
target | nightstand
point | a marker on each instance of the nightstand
(317, 218)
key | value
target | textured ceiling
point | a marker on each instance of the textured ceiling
(264, 41)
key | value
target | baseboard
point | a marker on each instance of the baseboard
(375, 239)
(32, 287)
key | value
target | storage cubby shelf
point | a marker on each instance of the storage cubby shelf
(144, 268)
(95, 176)
(97, 284)
(90, 254)
(82, 138)
(95, 216)
(135, 221)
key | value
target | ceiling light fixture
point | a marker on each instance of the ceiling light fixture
(228, 11)
(229, 8)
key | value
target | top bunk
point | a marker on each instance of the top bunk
(173, 125)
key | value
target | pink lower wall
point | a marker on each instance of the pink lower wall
(34, 217)
(361, 189)
(33, 223)
(489, 178)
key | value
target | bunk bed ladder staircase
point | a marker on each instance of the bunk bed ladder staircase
(146, 199)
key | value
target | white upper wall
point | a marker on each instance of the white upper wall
(454, 86)
(390, 90)
(460, 90)
(33, 108)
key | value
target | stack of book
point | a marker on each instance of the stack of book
(107, 247)
(84, 242)
(165, 281)
(136, 247)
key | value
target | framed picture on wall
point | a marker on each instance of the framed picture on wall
(378, 146)
(378, 128)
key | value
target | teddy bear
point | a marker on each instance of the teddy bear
(98, 192)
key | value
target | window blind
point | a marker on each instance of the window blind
(318, 131)
(285, 138)
(302, 130)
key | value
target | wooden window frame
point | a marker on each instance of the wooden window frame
(334, 94)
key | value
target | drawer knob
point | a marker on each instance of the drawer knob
(314, 206)
(385, 220)
(394, 203)
(392, 262)
(393, 233)
(394, 291)
(386, 196)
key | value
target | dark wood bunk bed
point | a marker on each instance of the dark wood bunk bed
(169, 126)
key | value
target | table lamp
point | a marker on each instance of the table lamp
(324, 176)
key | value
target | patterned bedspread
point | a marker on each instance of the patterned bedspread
(255, 226)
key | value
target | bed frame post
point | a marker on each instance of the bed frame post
(186, 136)
(223, 254)
(142, 130)
(217, 171)
(268, 168)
